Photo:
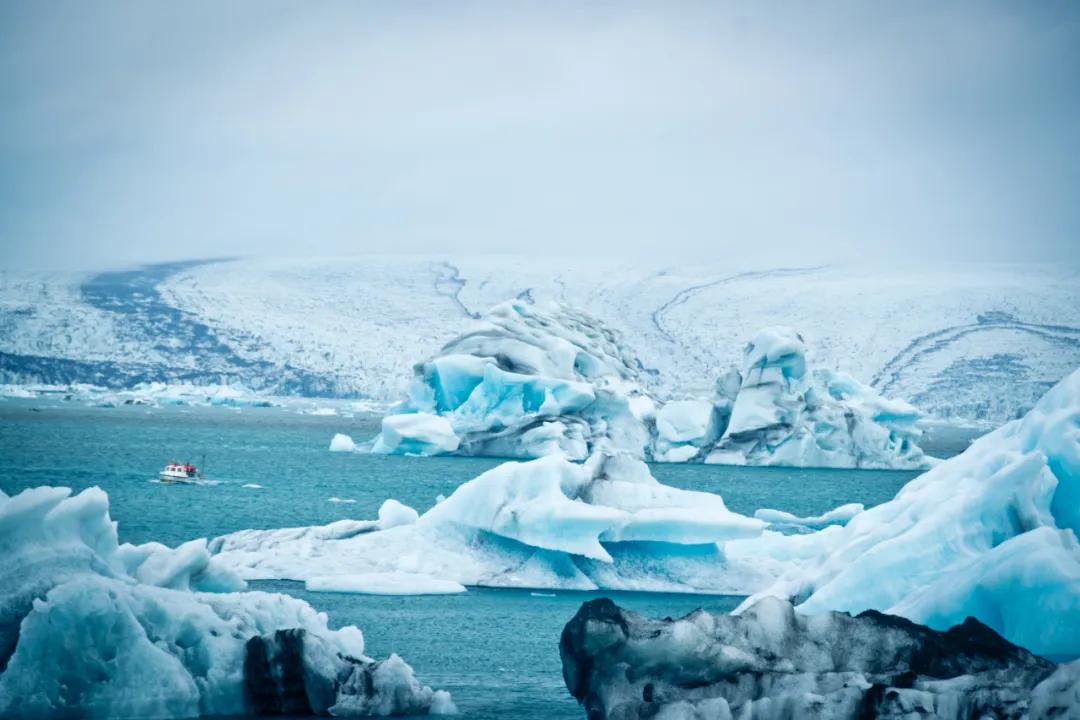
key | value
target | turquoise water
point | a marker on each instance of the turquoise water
(495, 650)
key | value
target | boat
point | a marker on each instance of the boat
(180, 473)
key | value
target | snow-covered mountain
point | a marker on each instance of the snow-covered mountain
(973, 341)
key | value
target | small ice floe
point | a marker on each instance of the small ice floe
(322, 412)
(336, 499)
(540, 594)
(253, 486)
(838, 516)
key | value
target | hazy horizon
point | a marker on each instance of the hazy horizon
(135, 133)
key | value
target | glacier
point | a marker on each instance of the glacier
(772, 663)
(528, 382)
(90, 627)
(990, 533)
(970, 342)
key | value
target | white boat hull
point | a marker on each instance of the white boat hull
(169, 478)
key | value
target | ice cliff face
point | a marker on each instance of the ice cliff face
(529, 382)
(776, 410)
(92, 628)
(991, 533)
(773, 663)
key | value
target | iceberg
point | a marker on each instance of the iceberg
(990, 533)
(779, 411)
(780, 519)
(535, 381)
(93, 628)
(529, 382)
(545, 523)
(771, 663)
(342, 443)
(416, 434)
(686, 430)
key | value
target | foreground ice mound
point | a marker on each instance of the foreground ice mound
(991, 533)
(545, 523)
(780, 412)
(771, 662)
(530, 382)
(92, 628)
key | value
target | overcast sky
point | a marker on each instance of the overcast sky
(144, 131)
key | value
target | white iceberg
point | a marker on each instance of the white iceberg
(530, 382)
(784, 413)
(92, 628)
(686, 430)
(837, 516)
(416, 434)
(547, 523)
(990, 533)
(342, 443)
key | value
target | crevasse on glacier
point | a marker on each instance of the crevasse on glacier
(92, 628)
(537, 382)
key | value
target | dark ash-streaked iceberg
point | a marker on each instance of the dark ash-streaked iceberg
(773, 663)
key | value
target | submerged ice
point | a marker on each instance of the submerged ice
(93, 628)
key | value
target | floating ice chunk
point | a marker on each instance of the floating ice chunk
(323, 412)
(990, 533)
(685, 429)
(340, 500)
(416, 434)
(773, 663)
(342, 443)
(837, 516)
(547, 523)
(387, 583)
(534, 503)
(392, 513)
(784, 413)
(89, 628)
(252, 486)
